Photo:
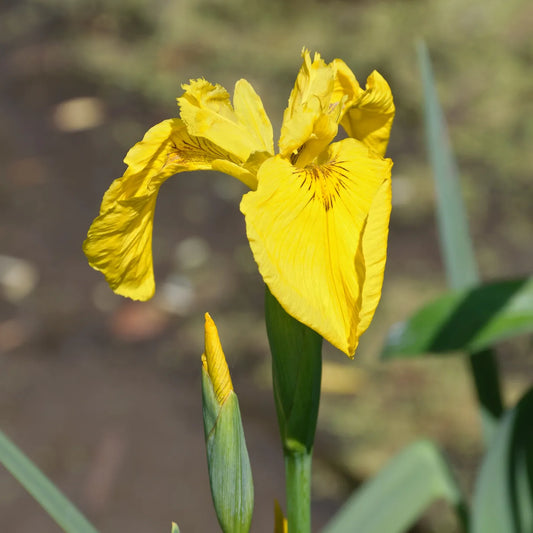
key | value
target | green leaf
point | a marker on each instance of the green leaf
(175, 528)
(42, 489)
(456, 245)
(393, 500)
(469, 320)
(503, 496)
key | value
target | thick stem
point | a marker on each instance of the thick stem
(298, 487)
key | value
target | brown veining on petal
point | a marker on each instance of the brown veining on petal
(197, 150)
(324, 182)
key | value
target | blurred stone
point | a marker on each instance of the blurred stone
(175, 295)
(27, 171)
(138, 321)
(192, 252)
(13, 333)
(78, 114)
(18, 278)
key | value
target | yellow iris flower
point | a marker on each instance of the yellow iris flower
(317, 214)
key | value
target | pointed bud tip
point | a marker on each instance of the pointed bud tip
(214, 361)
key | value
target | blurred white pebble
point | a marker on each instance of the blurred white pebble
(176, 295)
(192, 252)
(78, 114)
(18, 278)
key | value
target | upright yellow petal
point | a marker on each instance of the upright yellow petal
(251, 114)
(370, 117)
(308, 116)
(346, 89)
(119, 241)
(305, 227)
(207, 111)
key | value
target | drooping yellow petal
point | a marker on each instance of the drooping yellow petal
(374, 253)
(207, 111)
(309, 117)
(305, 227)
(370, 117)
(214, 362)
(119, 241)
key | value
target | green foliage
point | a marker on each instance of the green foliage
(466, 320)
(503, 497)
(456, 245)
(393, 500)
(42, 489)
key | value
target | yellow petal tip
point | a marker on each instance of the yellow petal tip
(214, 362)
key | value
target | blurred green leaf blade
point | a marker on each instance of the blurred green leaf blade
(456, 245)
(42, 489)
(455, 242)
(503, 496)
(405, 487)
(467, 320)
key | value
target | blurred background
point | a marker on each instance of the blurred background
(104, 393)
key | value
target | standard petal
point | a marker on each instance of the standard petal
(309, 106)
(305, 227)
(207, 111)
(346, 89)
(119, 241)
(251, 113)
(370, 117)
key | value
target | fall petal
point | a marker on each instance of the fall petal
(119, 241)
(374, 253)
(305, 227)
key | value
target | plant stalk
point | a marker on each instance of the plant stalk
(298, 488)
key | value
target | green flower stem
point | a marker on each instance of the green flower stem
(298, 488)
(296, 375)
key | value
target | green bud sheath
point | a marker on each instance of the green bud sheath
(296, 373)
(230, 475)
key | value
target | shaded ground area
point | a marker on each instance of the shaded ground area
(102, 393)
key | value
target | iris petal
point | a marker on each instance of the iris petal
(309, 106)
(374, 253)
(119, 241)
(207, 111)
(370, 117)
(306, 229)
